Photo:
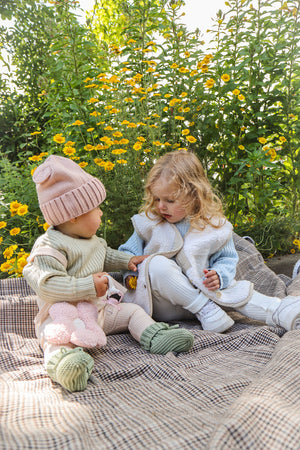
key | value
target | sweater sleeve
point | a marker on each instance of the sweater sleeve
(116, 260)
(134, 245)
(224, 263)
(51, 282)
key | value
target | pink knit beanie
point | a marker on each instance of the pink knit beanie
(65, 190)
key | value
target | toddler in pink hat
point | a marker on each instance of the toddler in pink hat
(69, 263)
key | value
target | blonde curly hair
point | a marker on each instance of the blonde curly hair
(185, 171)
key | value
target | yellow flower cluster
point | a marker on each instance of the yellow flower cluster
(271, 152)
(107, 165)
(106, 82)
(204, 64)
(59, 139)
(17, 208)
(210, 83)
(15, 261)
(140, 91)
(69, 149)
(240, 96)
(268, 149)
(38, 158)
(296, 242)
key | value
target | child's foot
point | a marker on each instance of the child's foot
(71, 368)
(287, 315)
(213, 318)
(160, 338)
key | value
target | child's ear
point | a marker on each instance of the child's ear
(74, 220)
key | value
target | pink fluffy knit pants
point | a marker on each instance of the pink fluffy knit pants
(113, 320)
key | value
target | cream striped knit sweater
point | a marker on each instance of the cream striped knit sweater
(53, 282)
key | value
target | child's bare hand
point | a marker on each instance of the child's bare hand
(212, 280)
(101, 283)
(135, 260)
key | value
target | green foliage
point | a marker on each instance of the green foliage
(273, 235)
(257, 134)
(108, 21)
(45, 44)
(7, 8)
(148, 88)
(28, 40)
(19, 223)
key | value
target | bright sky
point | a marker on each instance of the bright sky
(198, 13)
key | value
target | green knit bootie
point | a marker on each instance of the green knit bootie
(160, 338)
(71, 368)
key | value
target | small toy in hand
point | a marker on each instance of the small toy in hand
(132, 282)
(113, 296)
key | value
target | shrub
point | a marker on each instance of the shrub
(115, 109)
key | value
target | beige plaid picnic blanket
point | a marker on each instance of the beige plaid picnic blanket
(237, 390)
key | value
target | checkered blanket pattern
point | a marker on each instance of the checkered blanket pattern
(237, 390)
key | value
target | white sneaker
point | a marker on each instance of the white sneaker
(213, 318)
(296, 269)
(287, 315)
(249, 238)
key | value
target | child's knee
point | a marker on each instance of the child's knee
(159, 266)
(116, 320)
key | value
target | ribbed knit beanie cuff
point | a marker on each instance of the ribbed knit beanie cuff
(65, 191)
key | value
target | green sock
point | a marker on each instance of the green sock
(160, 338)
(71, 368)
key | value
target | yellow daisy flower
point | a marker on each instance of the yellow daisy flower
(14, 231)
(191, 139)
(22, 210)
(59, 139)
(225, 77)
(210, 83)
(262, 140)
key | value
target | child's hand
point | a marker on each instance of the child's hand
(101, 283)
(130, 282)
(135, 260)
(212, 280)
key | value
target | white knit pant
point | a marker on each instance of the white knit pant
(174, 297)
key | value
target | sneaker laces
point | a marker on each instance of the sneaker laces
(209, 307)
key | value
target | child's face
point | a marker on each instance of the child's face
(86, 226)
(167, 205)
